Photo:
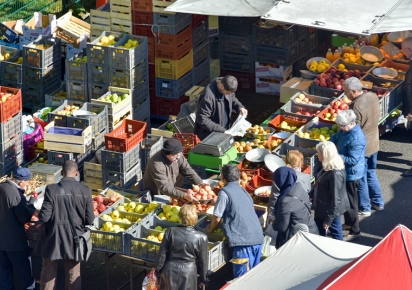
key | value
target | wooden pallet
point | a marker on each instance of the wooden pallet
(194, 92)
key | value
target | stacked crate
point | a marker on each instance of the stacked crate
(11, 67)
(201, 50)
(11, 136)
(307, 43)
(77, 77)
(121, 16)
(41, 70)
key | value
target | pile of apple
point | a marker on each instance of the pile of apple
(170, 213)
(67, 111)
(334, 79)
(321, 134)
(100, 203)
(202, 192)
(5, 96)
(335, 108)
(303, 99)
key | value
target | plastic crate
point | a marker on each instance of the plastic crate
(11, 128)
(167, 107)
(277, 36)
(275, 123)
(214, 47)
(240, 45)
(312, 40)
(173, 46)
(201, 53)
(204, 82)
(237, 62)
(185, 124)
(120, 161)
(140, 93)
(351, 66)
(107, 241)
(324, 92)
(298, 113)
(301, 32)
(57, 97)
(174, 69)
(98, 74)
(126, 78)
(173, 89)
(171, 23)
(97, 90)
(188, 141)
(12, 106)
(122, 180)
(6, 83)
(201, 71)
(75, 70)
(149, 146)
(34, 96)
(58, 158)
(126, 136)
(10, 70)
(124, 58)
(280, 56)
(121, 25)
(142, 17)
(98, 54)
(395, 91)
(137, 246)
(198, 18)
(246, 81)
(159, 6)
(11, 164)
(42, 57)
(61, 120)
(98, 140)
(11, 148)
(318, 103)
(42, 76)
(34, 152)
(77, 91)
(256, 182)
(236, 26)
(99, 122)
(141, 111)
(200, 33)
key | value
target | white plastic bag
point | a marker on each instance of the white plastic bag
(151, 281)
(239, 127)
(267, 248)
(271, 233)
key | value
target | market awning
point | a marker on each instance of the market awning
(241, 8)
(353, 16)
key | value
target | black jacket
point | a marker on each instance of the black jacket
(331, 200)
(182, 255)
(56, 242)
(407, 92)
(14, 213)
(210, 114)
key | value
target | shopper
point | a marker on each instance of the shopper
(57, 242)
(367, 110)
(329, 192)
(215, 107)
(351, 143)
(240, 224)
(292, 208)
(407, 87)
(183, 254)
(14, 213)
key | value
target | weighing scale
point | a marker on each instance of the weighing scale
(216, 144)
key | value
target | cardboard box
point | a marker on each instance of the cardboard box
(39, 25)
(267, 85)
(273, 71)
(292, 87)
(8, 33)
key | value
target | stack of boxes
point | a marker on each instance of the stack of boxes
(11, 69)
(201, 50)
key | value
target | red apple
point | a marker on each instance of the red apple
(338, 86)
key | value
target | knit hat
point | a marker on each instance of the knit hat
(22, 173)
(172, 146)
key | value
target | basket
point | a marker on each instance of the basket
(107, 241)
(126, 136)
(188, 141)
(275, 123)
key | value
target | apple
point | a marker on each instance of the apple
(328, 115)
(301, 96)
(323, 84)
(343, 107)
(196, 188)
(338, 86)
(336, 107)
(307, 114)
(332, 111)
(298, 113)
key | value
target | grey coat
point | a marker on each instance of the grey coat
(56, 242)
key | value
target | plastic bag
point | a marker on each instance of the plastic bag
(267, 248)
(239, 127)
(270, 232)
(151, 281)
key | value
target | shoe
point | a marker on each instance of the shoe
(407, 173)
(351, 237)
(346, 227)
(364, 213)
(377, 207)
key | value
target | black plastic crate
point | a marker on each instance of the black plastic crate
(240, 45)
(283, 36)
(77, 91)
(201, 53)
(129, 58)
(122, 180)
(11, 163)
(136, 245)
(58, 158)
(10, 70)
(141, 92)
(11, 148)
(149, 146)
(301, 32)
(312, 40)
(107, 241)
(98, 74)
(120, 161)
(200, 34)
(302, 48)
(99, 122)
(11, 128)
(61, 120)
(75, 68)
(280, 56)
(214, 47)
(6, 83)
(236, 26)
(201, 71)
(42, 76)
(237, 62)
(128, 78)
(42, 57)
(34, 96)
(97, 90)
(98, 140)
(171, 23)
(324, 92)
(142, 110)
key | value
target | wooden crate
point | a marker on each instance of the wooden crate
(194, 92)
(47, 173)
(161, 131)
(92, 170)
(159, 6)
(99, 20)
(121, 25)
(121, 9)
(71, 28)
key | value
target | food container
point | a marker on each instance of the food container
(261, 136)
(399, 36)
(386, 73)
(317, 59)
(257, 155)
(371, 54)
(259, 190)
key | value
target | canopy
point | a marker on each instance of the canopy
(304, 262)
(241, 8)
(352, 16)
(387, 266)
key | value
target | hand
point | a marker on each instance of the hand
(190, 198)
(325, 227)
(409, 117)
(32, 200)
(201, 285)
(208, 229)
(243, 111)
(271, 219)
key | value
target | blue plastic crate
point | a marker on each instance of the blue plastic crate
(280, 56)
(237, 62)
(174, 89)
(171, 23)
(201, 72)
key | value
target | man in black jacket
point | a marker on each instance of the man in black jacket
(14, 213)
(407, 86)
(57, 243)
(216, 105)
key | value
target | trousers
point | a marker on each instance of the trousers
(49, 274)
(352, 216)
(20, 263)
(369, 187)
(253, 253)
(335, 229)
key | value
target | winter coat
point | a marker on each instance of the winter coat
(407, 92)
(56, 242)
(293, 209)
(161, 174)
(182, 256)
(351, 146)
(331, 198)
(14, 213)
(210, 114)
(367, 109)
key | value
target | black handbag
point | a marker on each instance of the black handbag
(82, 243)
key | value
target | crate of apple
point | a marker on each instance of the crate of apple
(334, 78)
(203, 193)
(330, 113)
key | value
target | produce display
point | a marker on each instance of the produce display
(107, 40)
(114, 98)
(113, 228)
(318, 67)
(321, 134)
(100, 203)
(5, 56)
(285, 125)
(68, 110)
(334, 78)
(258, 132)
(170, 213)
(130, 44)
(80, 60)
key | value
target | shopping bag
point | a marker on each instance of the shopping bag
(267, 248)
(151, 281)
(271, 233)
(239, 127)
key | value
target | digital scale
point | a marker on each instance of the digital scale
(216, 144)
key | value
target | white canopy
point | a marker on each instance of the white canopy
(353, 16)
(304, 262)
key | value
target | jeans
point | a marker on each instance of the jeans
(369, 187)
(335, 229)
(253, 253)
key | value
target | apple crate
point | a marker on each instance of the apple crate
(121, 9)
(121, 25)
(325, 92)
(120, 161)
(137, 246)
(317, 102)
(99, 122)
(92, 169)
(116, 111)
(237, 62)
(61, 120)
(293, 112)
(133, 217)
(352, 66)
(256, 182)
(280, 56)
(159, 6)
(322, 116)
(140, 92)
(295, 140)
(42, 57)
(275, 123)
(42, 76)
(128, 78)
(153, 221)
(395, 89)
(11, 148)
(126, 136)
(201, 71)
(123, 58)
(58, 158)
(98, 54)
(173, 89)
(98, 74)
(97, 90)
(171, 23)
(9, 69)
(122, 180)
(149, 146)
(12, 105)
(57, 97)
(107, 241)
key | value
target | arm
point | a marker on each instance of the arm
(164, 248)
(220, 208)
(161, 181)
(187, 171)
(47, 207)
(283, 213)
(333, 186)
(355, 152)
(202, 259)
(22, 211)
(89, 218)
(214, 224)
(237, 105)
(204, 111)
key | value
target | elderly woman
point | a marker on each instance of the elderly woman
(183, 254)
(351, 144)
(329, 193)
(292, 208)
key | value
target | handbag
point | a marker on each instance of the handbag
(83, 242)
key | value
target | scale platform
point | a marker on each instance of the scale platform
(215, 144)
(210, 161)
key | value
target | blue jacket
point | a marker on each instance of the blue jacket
(351, 146)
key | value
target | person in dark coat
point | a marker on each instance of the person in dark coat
(183, 254)
(329, 193)
(215, 107)
(14, 213)
(292, 209)
(56, 243)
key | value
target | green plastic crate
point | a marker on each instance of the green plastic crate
(210, 161)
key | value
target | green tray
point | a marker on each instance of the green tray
(210, 161)
(338, 40)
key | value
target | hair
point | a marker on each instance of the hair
(293, 158)
(353, 84)
(229, 83)
(188, 215)
(230, 173)
(331, 158)
(345, 117)
(70, 166)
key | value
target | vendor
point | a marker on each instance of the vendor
(163, 169)
(216, 105)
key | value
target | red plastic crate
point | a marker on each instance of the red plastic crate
(142, 30)
(275, 123)
(266, 174)
(126, 136)
(306, 169)
(256, 182)
(173, 46)
(169, 107)
(197, 19)
(188, 141)
(322, 115)
(142, 17)
(246, 81)
(248, 171)
(142, 5)
(12, 106)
